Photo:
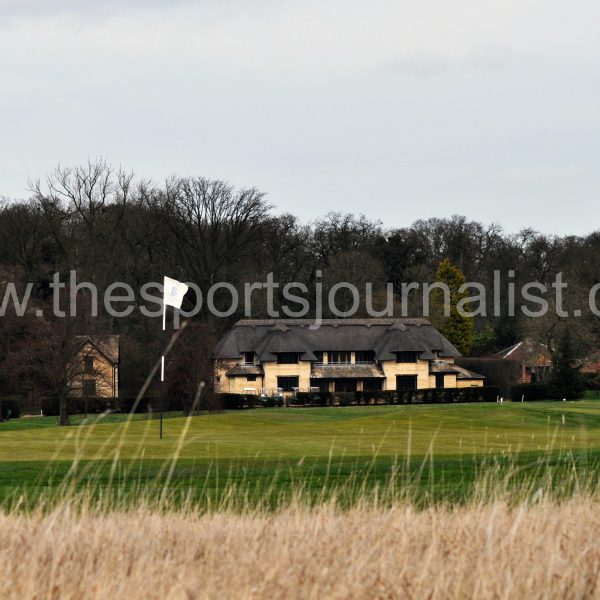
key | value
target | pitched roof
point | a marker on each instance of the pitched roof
(440, 366)
(383, 336)
(527, 352)
(245, 370)
(106, 344)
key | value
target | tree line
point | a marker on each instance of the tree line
(111, 226)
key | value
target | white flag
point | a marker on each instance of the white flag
(173, 292)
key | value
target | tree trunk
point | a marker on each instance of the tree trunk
(63, 412)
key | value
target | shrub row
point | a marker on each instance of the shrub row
(51, 405)
(125, 404)
(239, 401)
(530, 392)
(425, 396)
(428, 396)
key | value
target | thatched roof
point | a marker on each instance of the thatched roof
(342, 371)
(245, 370)
(384, 337)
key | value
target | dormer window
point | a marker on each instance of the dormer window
(364, 356)
(248, 358)
(406, 357)
(288, 358)
(339, 358)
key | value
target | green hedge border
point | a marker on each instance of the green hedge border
(426, 396)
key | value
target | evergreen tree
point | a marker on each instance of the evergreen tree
(566, 380)
(458, 328)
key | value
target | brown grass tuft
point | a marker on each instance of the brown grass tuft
(486, 551)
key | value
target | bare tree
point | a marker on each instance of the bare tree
(213, 225)
(84, 207)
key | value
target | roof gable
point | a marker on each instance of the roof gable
(527, 352)
(107, 345)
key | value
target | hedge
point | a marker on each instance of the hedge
(124, 404)
(154, 404)
(313, 398)
(530, 392)
(9, 409)
(239, 401)
(51, 405)
(426, 396)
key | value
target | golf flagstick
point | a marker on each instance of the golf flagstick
(173, 293)
(162, 367)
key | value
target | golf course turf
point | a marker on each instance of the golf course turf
(439, 448)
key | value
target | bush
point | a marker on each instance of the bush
(9, 409)
(530, 392)
(239, 401)
(591, 381)
(232, 401)
(373, 397)
(75, 406)
(313, 398)
(271, 401)
(425, 396)
(344, 398)
(444, 396)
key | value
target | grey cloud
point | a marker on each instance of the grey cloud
(50, 8)
(490, 56)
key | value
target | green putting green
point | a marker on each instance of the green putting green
(441, 430)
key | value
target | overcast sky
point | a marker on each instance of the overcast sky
(399, 110)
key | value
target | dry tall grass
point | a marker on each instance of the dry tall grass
(546, 550)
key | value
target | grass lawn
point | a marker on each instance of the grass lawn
(444, 446)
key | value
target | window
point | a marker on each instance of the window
(340, 358)
(287, 383)
(321, 384)
(406, 357)
(372, 385)
(88, 364)
(365, 356)
(406, 382)
(345, 385)
(319, 357)
(251, 378)
(249, 358)
(287, 358)
(89, 387)
(439, 381)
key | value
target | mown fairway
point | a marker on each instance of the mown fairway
(301, 445)
(445, 430)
